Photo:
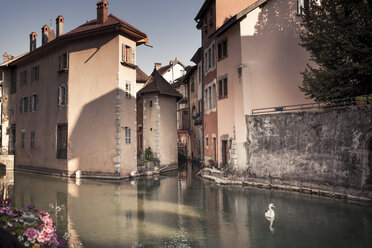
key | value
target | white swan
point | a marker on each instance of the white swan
(270, 213)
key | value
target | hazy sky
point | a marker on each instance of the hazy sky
(169, 25)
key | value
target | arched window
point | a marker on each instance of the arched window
(62, 95)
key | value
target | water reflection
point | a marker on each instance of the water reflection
(179, 210)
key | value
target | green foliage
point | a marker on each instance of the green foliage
(338, 35)
(149, 156)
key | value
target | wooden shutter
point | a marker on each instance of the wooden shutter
(123, 52)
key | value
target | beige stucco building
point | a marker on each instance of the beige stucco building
(252, 59)
(157, 125)
(71, 101)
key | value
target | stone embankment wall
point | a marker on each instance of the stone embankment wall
(326, 149)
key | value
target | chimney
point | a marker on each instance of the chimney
(7, 57)
(102, 8)
(157, 66)
(44, 34)
(59, 25)
(33, 36)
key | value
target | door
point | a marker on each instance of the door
(225, 158)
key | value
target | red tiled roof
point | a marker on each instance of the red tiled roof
(111, 20)
(156, 83)
(113, 24)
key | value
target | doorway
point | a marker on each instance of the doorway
(225, 157)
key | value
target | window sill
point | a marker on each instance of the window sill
(133, 66)
(62, 70)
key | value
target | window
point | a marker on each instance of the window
(222, 49)
(23, 78)
(210, 96)
(63, 62)
(23, 137)
(127, 135)
(222, 87)
(302, 6)
(127, 90)
(23, 105)
(192, 84)
(35, 73)
(62, 141)
(32, 144)
(62, 95)
(127, 54)
(206, 141)
(209, 59)
(150, 103)
(34, 102)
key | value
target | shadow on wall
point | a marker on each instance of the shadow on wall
(273, 56)
(92, 142)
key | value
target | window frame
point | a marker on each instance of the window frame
(34, 102)
(127, 135)
(127, 91)
(61, 140)
(62, 99)
(23, 105)
(63, 62)
(223, 85)
(222, 51)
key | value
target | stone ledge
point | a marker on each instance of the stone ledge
(206, 174)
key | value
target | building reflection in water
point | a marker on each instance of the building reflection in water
(179, 210)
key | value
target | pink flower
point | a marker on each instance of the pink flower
(31, 234)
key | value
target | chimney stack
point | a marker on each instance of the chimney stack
(44, 34)
(59, 25)
(102, 9)
(157, 66)
(33, 36)
(7, 57)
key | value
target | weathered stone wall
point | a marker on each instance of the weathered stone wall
(321, 149)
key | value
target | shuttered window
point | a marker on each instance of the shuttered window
(62, 141)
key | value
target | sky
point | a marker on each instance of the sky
(169, 25)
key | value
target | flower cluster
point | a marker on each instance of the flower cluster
(32, 227)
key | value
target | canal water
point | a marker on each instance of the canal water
(181, 210)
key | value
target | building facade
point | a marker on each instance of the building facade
(252, 50)
(158, 123)
(71, 101)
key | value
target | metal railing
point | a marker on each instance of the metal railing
(360, 100)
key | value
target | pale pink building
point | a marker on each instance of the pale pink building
(258, 63)
(71, 101)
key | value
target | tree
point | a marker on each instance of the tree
(338, 35)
